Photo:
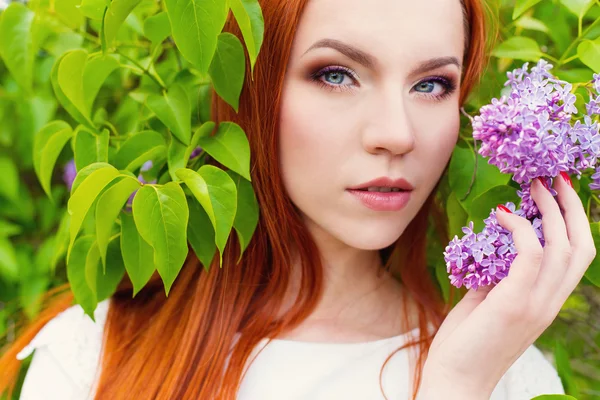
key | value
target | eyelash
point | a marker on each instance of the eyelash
(446, 81)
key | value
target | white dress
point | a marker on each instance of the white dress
(67, 352)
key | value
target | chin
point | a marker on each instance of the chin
(374, 237)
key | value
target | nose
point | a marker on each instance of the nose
(389, 129)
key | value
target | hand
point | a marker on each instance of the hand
(490, 328)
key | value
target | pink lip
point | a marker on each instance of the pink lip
(380, 201)
(385, 181)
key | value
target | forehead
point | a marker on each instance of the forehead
(394, 31)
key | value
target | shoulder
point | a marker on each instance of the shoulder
(531, 375)
(66, 354)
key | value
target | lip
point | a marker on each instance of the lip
(385, 181)
(380, 201)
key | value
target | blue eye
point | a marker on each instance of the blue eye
(425, 87)
(335, 78)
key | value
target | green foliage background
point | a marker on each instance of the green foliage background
(110, 85)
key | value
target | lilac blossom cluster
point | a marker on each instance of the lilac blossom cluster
(528, 133)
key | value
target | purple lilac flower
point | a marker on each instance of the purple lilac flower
(481, 259)
(69, 174)
(529, 134)
(196, 152)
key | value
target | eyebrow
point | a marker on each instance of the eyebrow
(369, 61)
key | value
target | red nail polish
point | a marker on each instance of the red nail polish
(566, 178)
(543, 181)
(500, 206)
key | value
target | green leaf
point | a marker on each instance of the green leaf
(578, 7)
(249, 17)
(8, 229)
(533, 24)
(461, 170)
(230, 147)
(563, 367)
(137, 254)
(521, 6)
(83, 198)
(61, 241)
(483, 204)
(116, 14)
(246, 217)
(173, 109)
(593, 271)
(179, 154)
(90, 147)
(69, 13)
(94, 9)
(16, 44)
(76, 273)
(108, 208)
(457, 216)
(139, 148)
(217, 194)
(442, 277)
(195, 26)
(554, 397)
(76, 80)
(9, 267)
(85, 172)
(108, 281)
(161, 216)
(10, 179)
(588, 52)
(157, 27)
(227, 69)
(47, 146)
(520, 48)
(201, 234)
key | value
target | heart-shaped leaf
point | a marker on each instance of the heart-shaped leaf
(201, 234)
(216, 192)
(230, 147)
(588, 52)
(90, 147)
(174, 110)
(137, 254)
(246, 217)
(139, 148)
(83, 198)
(227, 69)
(117, 12)
(17, 47)
(195, 25)
(249, 17)
(161, 216)
(47, 146)
(76, 81)
(520, 48)
(108, 208)
(76, 274)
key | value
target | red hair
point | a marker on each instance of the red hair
(178, 347)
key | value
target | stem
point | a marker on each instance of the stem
(568, 60)
(156, 79)
(577, 40)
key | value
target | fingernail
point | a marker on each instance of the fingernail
(543, 181)
(501, 207)
(565, 176)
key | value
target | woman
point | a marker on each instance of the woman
(352, 117)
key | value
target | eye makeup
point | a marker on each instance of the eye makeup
(447, 83)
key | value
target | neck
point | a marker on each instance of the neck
(360, 300)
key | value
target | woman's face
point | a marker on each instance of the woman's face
(371, 91)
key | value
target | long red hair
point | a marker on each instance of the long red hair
(178, 347)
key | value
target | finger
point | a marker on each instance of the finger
(557, 249)
(525, 267)
(583, 249)
(463, 309)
